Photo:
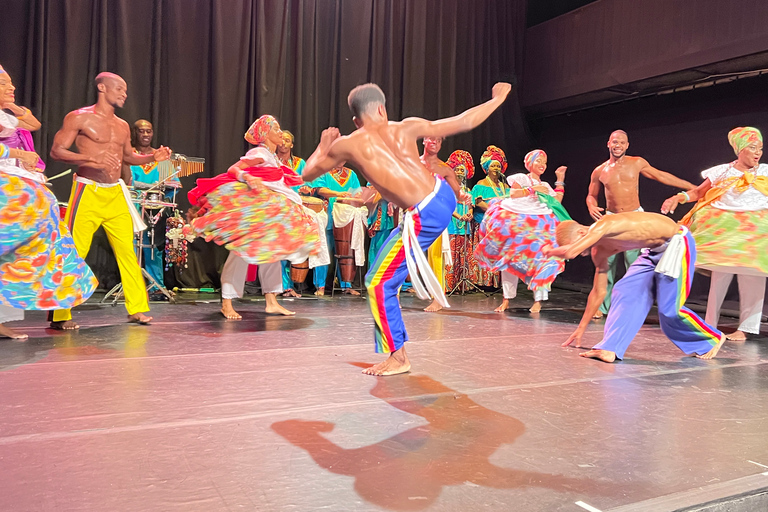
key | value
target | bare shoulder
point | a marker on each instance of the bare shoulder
(597, 170)
(636, 161)
(76, 117)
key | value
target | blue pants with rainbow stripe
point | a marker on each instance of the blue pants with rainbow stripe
(388, 271)
(633, 297)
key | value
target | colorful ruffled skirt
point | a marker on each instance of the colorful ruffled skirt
(513, 241)
(735, 242)
(259, 225)
(39, 266)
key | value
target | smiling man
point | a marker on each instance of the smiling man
(99, 196)
(620, 176)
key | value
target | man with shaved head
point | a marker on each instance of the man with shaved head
(99, 196)
(620, 176)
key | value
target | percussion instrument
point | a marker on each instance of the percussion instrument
(153, 197)
(342, 238)
(299, 271)
(180, 165)
(313, 203)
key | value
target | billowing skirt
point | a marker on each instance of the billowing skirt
(729, 241)
(513, 241)
(259, 225)
(39, 266)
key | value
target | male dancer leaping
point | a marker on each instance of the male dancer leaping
(663, 271)
(385, 152)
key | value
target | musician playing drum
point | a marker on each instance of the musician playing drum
(144, 177)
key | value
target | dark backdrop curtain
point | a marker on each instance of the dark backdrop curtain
(202, 70)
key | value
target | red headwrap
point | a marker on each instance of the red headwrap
(461, 157)
(493, 153)
(258, 131)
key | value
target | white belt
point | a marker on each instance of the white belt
(670, 263)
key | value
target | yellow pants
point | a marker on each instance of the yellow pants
(435, 259)
(91, 206)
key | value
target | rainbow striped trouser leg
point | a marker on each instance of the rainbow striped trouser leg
(388, 271)
(633, 297)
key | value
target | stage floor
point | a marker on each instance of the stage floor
(272, 413)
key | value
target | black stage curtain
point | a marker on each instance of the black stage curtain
(203, 70)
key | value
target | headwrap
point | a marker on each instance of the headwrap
(531, 157)
(257, 133)
(1, 69)
(461, 157)
(493, 153)
(741, 137)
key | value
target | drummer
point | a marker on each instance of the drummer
(286, 157)
(340, 182)
(144, 177)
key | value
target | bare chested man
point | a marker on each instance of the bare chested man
(663, 271)
(620, 176)
(99, 196)
(385, 152)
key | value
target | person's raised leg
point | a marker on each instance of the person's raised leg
(270, 277)
(751, 297)
(232, 284)
(119, 230)
(632, 300)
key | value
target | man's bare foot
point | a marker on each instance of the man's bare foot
(396, 363)
(350, 291)
(598, 315)
(277, 309)
(536, 307)
(291, 293)
(7, 332)
(503, 307)
(736, 336)
(435, 306)
(712, 353)
(603, 355)
(66, 325)
(410, 290)
(139, 318)
(320, 292)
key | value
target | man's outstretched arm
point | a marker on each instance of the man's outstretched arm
(329, 154)
(666, 178)
(464, 122)
(596, 297)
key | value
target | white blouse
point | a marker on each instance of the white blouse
(526, 205)
(8, 125)
(270, 160)
(748, 201)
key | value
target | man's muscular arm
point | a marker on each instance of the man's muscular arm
(329, 154)
(596, 296)
(651, 172)
(132, 158)
(64, 139)
(596, 232)
(594, 190)
(464, 122)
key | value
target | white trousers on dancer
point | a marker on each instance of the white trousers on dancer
(751, 296)
(8, 314)
(235, 271)
(509, 287)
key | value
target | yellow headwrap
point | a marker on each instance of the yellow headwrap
(741, 137)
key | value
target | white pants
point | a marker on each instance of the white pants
(751, 295)
(235, 271)
(9, 314)
(509, 287)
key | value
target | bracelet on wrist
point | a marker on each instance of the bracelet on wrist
(686, 197)
(559, 190)
(24, 112)
(5, 151)
(559, 183)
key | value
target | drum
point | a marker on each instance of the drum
(153, 199)
(342, 239)
(299, 271)
(313, 203)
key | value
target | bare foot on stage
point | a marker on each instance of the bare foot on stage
(536, 307)
(396, 363)
(139, 318)
(435, 306)
(602, 355)
(503, 307)
(67, 325)
(350, 291)
(712, 353)
(291, 293)
(736, 336)
(320, 292)
(7, 332)
(277, 309)
(228, 311)
(598, 315)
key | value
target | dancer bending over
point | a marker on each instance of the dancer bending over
(663, 271)
(385, 152)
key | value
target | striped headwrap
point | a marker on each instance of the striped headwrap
(493, 153)
(741, 137)
(257, 133)
(461, 157)
(531, 157)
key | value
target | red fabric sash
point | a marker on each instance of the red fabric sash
(208, 185)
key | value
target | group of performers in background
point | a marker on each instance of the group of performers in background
(284, 216)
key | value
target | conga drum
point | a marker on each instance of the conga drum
(299, 271)
(342, 239)
(313, 203)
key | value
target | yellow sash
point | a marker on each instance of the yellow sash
(741, 184)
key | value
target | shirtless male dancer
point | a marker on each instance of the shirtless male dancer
(99, 196)
(385, 152)
(620, 176)
(663, 271)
